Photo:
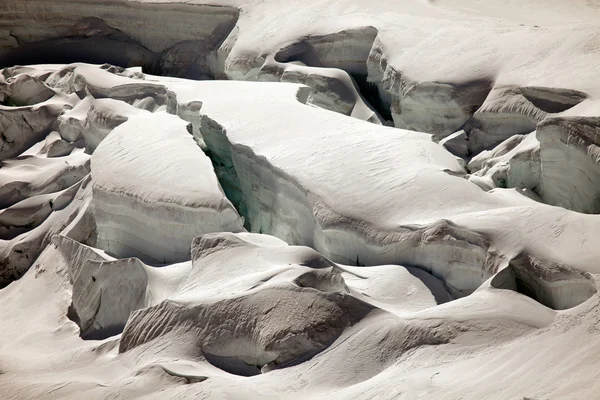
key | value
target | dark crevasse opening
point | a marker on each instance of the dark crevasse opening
(370, 93)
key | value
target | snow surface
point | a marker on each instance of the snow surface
(295, 229)
(140, 175)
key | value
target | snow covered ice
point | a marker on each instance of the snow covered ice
(274, 199)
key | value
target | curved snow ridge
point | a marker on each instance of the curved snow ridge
(150, 173)
(213, 254)
(252, 263)
(496, 307)
(556, 286)
(394, 288)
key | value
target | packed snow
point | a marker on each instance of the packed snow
(268, 199)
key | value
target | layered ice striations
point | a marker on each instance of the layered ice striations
(570, 157)
(24, 126)
(141, 173)
(395, 261)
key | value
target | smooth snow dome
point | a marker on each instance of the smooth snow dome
(273, 199)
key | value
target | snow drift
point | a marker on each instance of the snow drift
(394, 262)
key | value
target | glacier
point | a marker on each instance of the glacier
(244, 198)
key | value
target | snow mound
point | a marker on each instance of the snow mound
(280, 326)
(141, 172)
(294, 303)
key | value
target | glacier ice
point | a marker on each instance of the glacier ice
(137, 173)
(427, 171)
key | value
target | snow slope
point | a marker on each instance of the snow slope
(162, 187)
(295, 230)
